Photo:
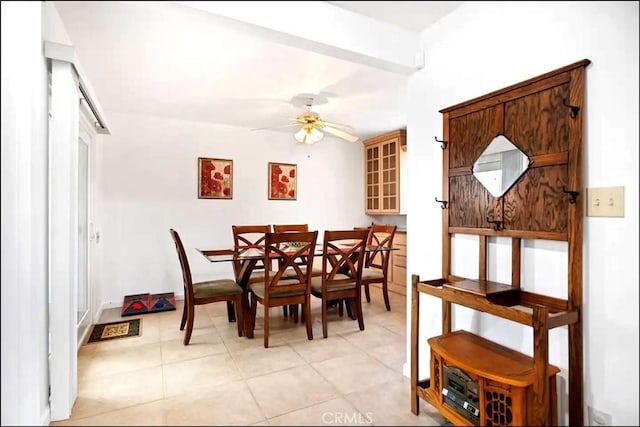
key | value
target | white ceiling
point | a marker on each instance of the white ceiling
(173, 61)
(412, 15)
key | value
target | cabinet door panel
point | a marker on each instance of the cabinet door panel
(373, 178)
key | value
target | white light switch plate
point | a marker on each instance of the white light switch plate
(605, 201)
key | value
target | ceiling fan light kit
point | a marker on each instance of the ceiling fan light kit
(308, 135)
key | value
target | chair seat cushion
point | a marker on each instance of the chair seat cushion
(215, 288)
(256, 277)
(370, 273)
(316, 284)
(290, 272)
(258, 289)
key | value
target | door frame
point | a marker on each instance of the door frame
(87, 136)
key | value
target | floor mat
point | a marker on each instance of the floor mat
(114, 330)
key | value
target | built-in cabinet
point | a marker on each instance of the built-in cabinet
(382, 162)
(512, 168)
(398, 264)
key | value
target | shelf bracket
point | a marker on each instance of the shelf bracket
(572, 194)
(574, 109)
(443, 203)
(443, 144)
(495, 222)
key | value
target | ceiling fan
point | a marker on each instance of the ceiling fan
(311, 125)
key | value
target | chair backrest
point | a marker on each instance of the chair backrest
(343, 257)
(281, 228)
(285, 228)
(380, 237)
(277, 245)
(247, 237)
(184, 265)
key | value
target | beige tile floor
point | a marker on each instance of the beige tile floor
(351, 378)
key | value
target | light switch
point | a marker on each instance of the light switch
(605, 201)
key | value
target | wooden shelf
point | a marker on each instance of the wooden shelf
(513, 305)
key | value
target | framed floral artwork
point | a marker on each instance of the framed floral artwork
(215, 178)
(283, 180)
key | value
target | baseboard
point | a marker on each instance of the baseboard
(396, 288)
(105, 305)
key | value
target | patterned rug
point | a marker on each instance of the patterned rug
(114, 330)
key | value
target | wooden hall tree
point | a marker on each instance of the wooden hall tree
(540, 122)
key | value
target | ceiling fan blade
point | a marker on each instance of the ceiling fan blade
(336, 125)
(277, 127)
(340, 134)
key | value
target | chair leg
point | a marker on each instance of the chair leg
(385, 292)
(249, 320)
(230, 315)
(266, 326)
(239, 314)
(306, 314)
(252, 321)
(358, 303)
(294, 308)
(285, 312)
(366, 292)
(324, 318)
(349, 309)
(340, 308)
(184, 314)
(190, 316)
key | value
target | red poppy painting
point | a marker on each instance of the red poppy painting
(283, 178)
(215, 178)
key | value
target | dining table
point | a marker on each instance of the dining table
(245, 259)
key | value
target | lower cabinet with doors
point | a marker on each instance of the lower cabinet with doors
(398, 264)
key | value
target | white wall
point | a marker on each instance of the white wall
(485, 46)
(24, 217)
(147, 183)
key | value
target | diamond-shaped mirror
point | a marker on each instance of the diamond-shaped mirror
(500, 166)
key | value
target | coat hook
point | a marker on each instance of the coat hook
(574, 109)
(496, 223)
(443, 202)
(443, 144)
(572, 194)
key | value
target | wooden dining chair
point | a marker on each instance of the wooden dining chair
(343, 256)
(379, 241)
(248, 237)
(317, 267)
(204, 292)
(276, 290)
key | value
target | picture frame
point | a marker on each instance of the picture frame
(283, 181)
(215, 178)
